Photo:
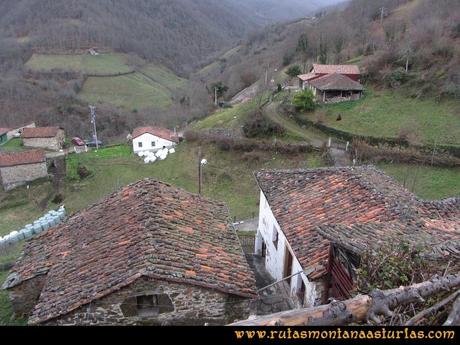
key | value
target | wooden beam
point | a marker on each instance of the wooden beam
(362, 308)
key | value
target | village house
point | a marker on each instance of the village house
(147, 254)
(19, 168)
(16, 131)
(333, 83)
(153, 139)
(49, 138)
(298, 208)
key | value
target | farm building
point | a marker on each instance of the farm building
(19, 168)
(49, 138)
(335, 88)
(16, 131)
(298, 208)
(153, 139)
(4, 135)
(333, 83)
(147, 254)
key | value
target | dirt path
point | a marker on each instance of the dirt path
(314, 138)
(339, 156)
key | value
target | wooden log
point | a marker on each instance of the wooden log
(427, 312)
(362, 308)
(454, 317)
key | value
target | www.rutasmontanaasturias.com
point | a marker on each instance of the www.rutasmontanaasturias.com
(338, 333)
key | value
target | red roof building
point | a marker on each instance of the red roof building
(296, 204)
(19, 168)
(40, 132)
(9, 159)
(147, 253)
(156, 131)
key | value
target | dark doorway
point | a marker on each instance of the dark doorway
(264, 249)
(287, 265)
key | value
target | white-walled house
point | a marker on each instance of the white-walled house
(153, 139)
(296, 204)
(280, 260)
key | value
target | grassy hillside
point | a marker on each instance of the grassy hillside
(130, 92)
(228, 178)
(88, 64)
(429, 183)
(388, 114)
(163, 76)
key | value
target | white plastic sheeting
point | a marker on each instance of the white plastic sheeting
(151, 157)
(52, 218)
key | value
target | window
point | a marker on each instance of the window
(147, 305)
(139, 144)
(153, 144)
(275, 237)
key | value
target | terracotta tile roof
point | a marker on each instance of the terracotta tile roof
(336, 81)
(358, 238)
(330, 69)
(304, 199)
(9, 159)
(157, 131)
(308, 76)
(146, 229)
(40, 132)
(4, 130)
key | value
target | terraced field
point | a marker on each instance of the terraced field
(131, 92)
(104, 64)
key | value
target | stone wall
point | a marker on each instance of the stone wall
(192, 305)
(54, 143)
(11, 177)
(24, 296)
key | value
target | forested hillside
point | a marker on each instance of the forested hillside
(178, 33)
(409, 44)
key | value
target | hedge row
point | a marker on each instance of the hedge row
(410, 155)
(247, 145)
(347, 136)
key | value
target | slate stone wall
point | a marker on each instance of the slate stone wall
(25, 296)
(193, 305)
(11, 177)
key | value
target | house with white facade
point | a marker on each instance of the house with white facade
(153, 139)
(298, 209)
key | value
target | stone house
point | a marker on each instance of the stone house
(297, 206)
(153, 139)
(19, 168)
(49, 138)
(147, 254)
(16, 131)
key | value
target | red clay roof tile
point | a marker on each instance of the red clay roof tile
(157, 131)
(303, 199)
(128, 235)
(40, 132)
(9, 159)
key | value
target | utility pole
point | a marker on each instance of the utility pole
(92, 109)
(200, 170)
(382, 14)
(215, 96)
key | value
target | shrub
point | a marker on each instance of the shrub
(82, 171)
(294, 71)
(259, 126)
(304, 101)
